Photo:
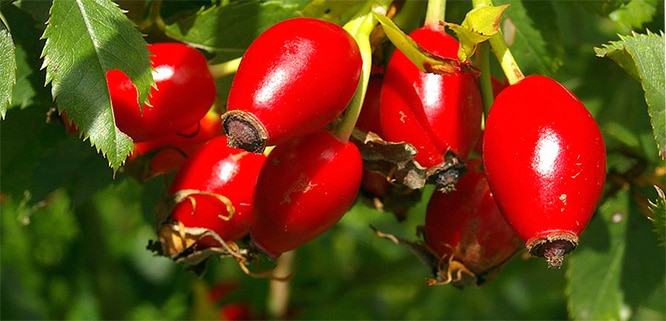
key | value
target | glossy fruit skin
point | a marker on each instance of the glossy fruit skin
(219, 169)
(468, 224)
(545, 159)
(170, 152)
(432, 112)
(293, 80)
(368, 119)
(184, 91)
(305, 187)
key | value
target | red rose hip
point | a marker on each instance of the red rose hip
(184, 92)
(293, 80)
(306, 186)
(545, 159)
(434, 113)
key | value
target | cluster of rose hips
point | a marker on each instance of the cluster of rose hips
(272, 172)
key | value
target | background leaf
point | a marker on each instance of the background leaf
(230, 28)
(642, 57)
(533, 35)
(618, 264)
(84, 39)
(7, 67)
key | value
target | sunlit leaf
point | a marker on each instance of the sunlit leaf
(642, 57)
(479, 25)
(84, 39)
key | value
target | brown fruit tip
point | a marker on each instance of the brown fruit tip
(244, 131)
(553, 247)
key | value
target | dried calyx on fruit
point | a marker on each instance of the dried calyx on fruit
(286, 86)
(546, 167)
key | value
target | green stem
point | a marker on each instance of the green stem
(482, 60)
(501, 50)
(360, 28)
(435, 12)
(224, 69)
(279, 289)
(154, 17)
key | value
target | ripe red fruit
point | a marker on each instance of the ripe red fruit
(467, 231)
(546, 163)
(213, 194)
(305, 187)
(434, 113)
(293, 80)
(170, 152)
(184, 91)
(368, 119)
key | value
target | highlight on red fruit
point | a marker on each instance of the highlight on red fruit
(434, 113)
(546, 164)
(184, 91)
(306, 186)
(211, 200)
(467, 231)
(293, 80)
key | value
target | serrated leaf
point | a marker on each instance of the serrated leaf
(479, 25)
(29, 88)
(658, 209)
(642, 57)
(7, 67)
(424, 60)
(230, 28)
(595, 267)
(84, 39)
(531, 30)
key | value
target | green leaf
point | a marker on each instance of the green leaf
(479, 25)
(7, 67)
(423, 59)
(602, 8)
(337, 11)
(618, 265)
(642, 57)
(595, 267)
(530, 29)
(85, 39)
(635, 13)
(29, 89)
(658, 209)
(231, 27)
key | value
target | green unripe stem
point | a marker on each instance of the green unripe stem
(501, 50)
(482, 60)
(360, 28)
(224, 69)
(508, 63)
(435, 12)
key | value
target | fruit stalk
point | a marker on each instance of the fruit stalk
(483, 62)
(507, 61)
(360, 28)
(279, 291)
(224, 69)
(435, 12)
